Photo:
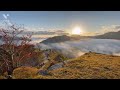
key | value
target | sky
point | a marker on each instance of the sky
(89, 21)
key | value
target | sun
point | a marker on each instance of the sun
(76, 31)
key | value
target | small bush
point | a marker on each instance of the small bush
(25, 72)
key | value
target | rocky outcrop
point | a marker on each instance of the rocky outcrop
(43, 72)
(56, 66)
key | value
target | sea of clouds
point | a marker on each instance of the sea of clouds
(78, 48)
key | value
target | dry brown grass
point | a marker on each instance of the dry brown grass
(90, 66)
(25, 72)
(2, 77)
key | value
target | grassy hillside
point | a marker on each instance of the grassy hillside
(63, 38)
(88, 66)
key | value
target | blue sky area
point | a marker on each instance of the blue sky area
(89, 20)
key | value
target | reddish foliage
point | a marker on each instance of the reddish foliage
(17, 48)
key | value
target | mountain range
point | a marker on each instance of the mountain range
(63, 38)
(109, 35)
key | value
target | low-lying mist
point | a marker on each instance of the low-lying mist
(78, 48)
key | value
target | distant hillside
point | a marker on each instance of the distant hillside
(63, 38)
(109, 35)
(56, 39)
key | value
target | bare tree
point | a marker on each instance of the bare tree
(15, 48)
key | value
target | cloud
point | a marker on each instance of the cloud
(44, 33)
(55, 32)
(112, 28)
(5, 16)
(6, 19)
(8, 15)
(38, 36)
(78, 48)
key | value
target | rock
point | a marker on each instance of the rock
(9, 77)
(43, 72)
(56, 66)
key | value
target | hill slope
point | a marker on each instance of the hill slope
(109, 35)
(58, 39)
(63, 38)
(89, 66)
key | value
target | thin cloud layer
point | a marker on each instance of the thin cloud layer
(78, 48)
(112, 28)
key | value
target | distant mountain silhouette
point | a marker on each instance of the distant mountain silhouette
(109, 35)
(63, 38)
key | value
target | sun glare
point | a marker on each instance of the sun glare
(76, 30)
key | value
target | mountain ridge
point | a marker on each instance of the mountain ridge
(63, 38)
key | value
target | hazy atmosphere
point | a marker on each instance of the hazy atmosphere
(52, 23)
(59, 44)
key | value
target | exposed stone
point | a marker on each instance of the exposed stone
(56, 66)
(43, 72)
